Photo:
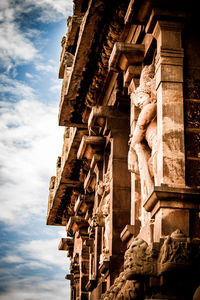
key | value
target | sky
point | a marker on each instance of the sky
(31, 267)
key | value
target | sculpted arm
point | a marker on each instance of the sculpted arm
(147, 114)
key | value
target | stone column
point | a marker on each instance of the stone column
(120, 204)
(170, 118)
(115, 127)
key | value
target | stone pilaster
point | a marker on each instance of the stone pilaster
(170, 116)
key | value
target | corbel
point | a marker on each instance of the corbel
(91, 284)
(65, 244)
(90, 181)
(162, 14)
(69, 277)
(75, 223)
(124, 55)
(132, 73)
(83, 204)
(128, 232)
(89, 146)
(104, 267)
(101, 115)
(164, 196)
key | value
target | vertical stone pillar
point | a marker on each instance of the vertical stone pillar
(170, 117)
(84, 271)
(120, 194)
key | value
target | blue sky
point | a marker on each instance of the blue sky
(31, 267)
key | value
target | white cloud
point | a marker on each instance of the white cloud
(41, 289)
(46, 68)
(30, 141)
(55, 88)
(17, 44)
(46, 252)
(17, 89)
(28, 75)
(52, 10)
(15, 47)
(12, 259)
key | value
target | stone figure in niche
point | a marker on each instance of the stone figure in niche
(107, 177)
(106, 214)
(143, 142)
(105, 210)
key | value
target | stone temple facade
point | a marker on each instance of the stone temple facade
(127, 187)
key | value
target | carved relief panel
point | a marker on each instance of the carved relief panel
(142, 156)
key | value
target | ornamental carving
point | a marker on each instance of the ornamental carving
(176, 250)
(143, 142)
(140, 259)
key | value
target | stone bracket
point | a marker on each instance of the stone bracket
(83, 203)
(76, 223)
(89, 146)
(65, 244)
(128, 232)
(125, 54)
(100, 114)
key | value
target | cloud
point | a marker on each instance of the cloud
(17, 45)
(44, 266)
(16, 89)
(12, 259)
(33, 289)
(52, 10)
(28, 75)
(30, 141)
(44, 251)
(46, 68)
(55, 88)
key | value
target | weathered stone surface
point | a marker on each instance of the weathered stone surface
(131, 74)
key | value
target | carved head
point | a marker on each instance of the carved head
(146, 90)
(140, 98)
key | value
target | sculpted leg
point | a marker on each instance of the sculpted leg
(145, 177)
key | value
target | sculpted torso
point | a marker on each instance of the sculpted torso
(143, 141)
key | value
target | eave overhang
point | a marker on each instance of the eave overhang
(67, 182)
(88, 28)
(101, 27)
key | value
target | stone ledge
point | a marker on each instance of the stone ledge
(127, 233)
(172, 197)
(125, 54)
(65, 244)
(89, 146)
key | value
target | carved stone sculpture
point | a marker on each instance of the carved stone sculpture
(140, 260)
(143, 143)
(107, 229)
(176, 250)
(132, 290)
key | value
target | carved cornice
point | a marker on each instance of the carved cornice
(66, 181)
(89, 72)
(165, 196)
(86, 37)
